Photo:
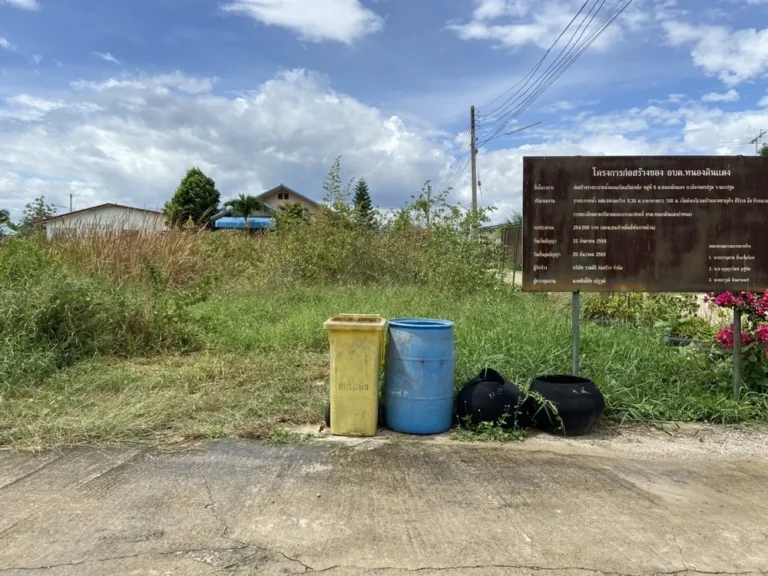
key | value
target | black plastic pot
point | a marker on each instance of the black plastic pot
(579, 404)
(490, 398)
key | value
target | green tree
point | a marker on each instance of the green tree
(245, 206)
(363, 206)
(427, 205)
(196, 198)
(5, 217)
(337, 196)
(291, 214)
(764, 151)
(516, 219)
(401, 222)
(37, 210)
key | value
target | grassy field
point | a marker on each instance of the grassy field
(264, 362)
(99, 347)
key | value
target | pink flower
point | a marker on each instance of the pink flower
(725, 299)
(762, 333)
(725, 338)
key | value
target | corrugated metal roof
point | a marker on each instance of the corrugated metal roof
(238, 222)
(97, 207)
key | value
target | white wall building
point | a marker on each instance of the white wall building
(104, 218)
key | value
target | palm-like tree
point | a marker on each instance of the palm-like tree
(516, 219)
(5, 217)
(245, 206)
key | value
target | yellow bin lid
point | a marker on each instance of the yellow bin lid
(356, 322)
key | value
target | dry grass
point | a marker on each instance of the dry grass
(326, 251)
(168, 399)
(123, 258)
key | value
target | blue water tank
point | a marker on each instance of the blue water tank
(418, 383)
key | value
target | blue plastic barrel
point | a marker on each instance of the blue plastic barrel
(418, 382)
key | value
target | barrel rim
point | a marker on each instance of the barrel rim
(421, 323)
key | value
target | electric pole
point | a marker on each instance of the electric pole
(70, 201)
(757, 140)
(473, 148)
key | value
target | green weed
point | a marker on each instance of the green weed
(489, 432)
(283, 436)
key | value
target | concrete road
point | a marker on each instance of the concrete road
(385, 508)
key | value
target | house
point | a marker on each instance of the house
(280, 195)
(103, 218)
(273, 199)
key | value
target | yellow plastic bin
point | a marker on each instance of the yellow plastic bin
(357, 346)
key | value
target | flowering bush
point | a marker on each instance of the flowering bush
(754, 333)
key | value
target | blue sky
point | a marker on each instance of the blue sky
(113, 101)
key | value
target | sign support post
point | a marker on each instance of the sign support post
(518, 232)
(576, 331)
(736, 353)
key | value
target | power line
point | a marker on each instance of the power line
(458, 174)
(459, 166)
(460, 157)
(535, 68)
(758, 140)
(509, 133)
(557, 69)
(566, 57)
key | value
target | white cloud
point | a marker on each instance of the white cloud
(23, 4)
(5, 43)
(131, 140)
(568, 105)
(28, 108)
(763, 101)
(162, 84)
(107, 57)
(691, 128)
(314, 20)
(515, 23)
(37, 58)
(731, 56)
(730, 96)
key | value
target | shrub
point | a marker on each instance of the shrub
(672, 313)
(753, 337)
(50, 318)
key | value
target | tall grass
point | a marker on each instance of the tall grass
(51, 318)
(94, 329)
(329, 249)
(121, 257)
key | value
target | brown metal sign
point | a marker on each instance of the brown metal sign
(645, 223)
